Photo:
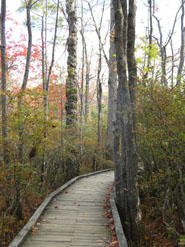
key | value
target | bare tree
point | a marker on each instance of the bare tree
(82, 70)
(17, 204)
(182, 49)
(47, 74)
(26, 74)
(86, 69)
(163, 46)
(99, 93)
(101, 50)
(87, 81)
(151, 6)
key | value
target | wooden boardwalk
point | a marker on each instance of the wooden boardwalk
(75, 217)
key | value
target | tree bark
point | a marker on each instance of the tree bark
(71, 82)
(99, 94)
(18, 206)
(72, 166)
(28, 55)
(112, 83)
(4, 131)
(87, 77)
(46, 77)
(25, 78)
(87, 80)
(150, 33)
(125, 153)
(182, 49)
(162, 48)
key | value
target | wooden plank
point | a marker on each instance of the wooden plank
(118, 227)
(47, 244)
(83, 219)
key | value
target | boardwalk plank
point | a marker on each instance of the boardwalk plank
(75, 217)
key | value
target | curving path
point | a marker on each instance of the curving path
(75, 217)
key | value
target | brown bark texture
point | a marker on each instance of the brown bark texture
(125, 153)
(4, 131)
(112, 84)
(71, 82)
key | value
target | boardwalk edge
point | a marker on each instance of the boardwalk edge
(117, 222)
(20, 237)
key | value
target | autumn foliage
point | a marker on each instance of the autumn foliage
(161, 139)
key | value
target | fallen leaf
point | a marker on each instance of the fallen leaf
(46, 221)
(111, 221)
(34, 229)
(114, 243)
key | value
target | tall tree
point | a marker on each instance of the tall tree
(71, 82)
(182, 48)
(72, 166)
(17, 204)
(3, 82)
(125, 153)
(150, 7)
(26, 74)
(112, 82)
(46, 73)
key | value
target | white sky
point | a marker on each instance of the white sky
(166, 13)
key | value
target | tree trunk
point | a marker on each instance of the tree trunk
(150, 33)
(182, 49)
(87, 80)
(82, 75)
(99, 95)
(46, 78)
(3, 83)
(71, 82)
(25, 78)
(87, 77)
(72, 167)
(112, 84)
(18, 206)
(125, 153)
(162, 48)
